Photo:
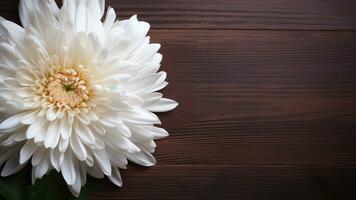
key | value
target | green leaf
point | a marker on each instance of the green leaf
(14, 187)
(53, 187)
(50, 187)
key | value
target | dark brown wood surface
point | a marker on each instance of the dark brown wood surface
(267, 93)
(232, 14)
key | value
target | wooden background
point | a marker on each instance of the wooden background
(267, 92)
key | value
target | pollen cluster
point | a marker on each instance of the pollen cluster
(66, 89)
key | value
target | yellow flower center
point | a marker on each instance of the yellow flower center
(67, 88)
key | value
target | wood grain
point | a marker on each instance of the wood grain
(231, 14)
(266, 97)
(233, 182)
(237, 14)
(267, 93)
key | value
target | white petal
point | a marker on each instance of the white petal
(150, 132)
(51, 114)
(143, 158)
(146, 52)
(55, 155)
(66, 128)
(157, 132)
(95, 171)
(25, 8)
(153, 65)
(37, 156)
(103, 160)
(134, 100)
(84, 133)
(43, 166)
(125, 130)
(101, 4)
(76, 187)
(127, 145)
(18, 136)
(6, 153)
(121, 142)
(13, 122)
(12, 166)
(5, 72)
(151, 98)
(157, 87)
(98, 144)
(35, 12)
(148, 145)
(37, 130)
(90, 160)
(117, 158)
(53, 135)
(30, 118)
(116, 177)
(80, 22)
(8, 56)
(82, 13)
(98, 128)
(63, 145)
(92, 116)
(111, 119)
(67, 168)
(53, 7)
(140, 116)
(27, 150)
(78, 148)
(109, 19)
(163, 105)
(145, 84)
(83, 119)
(11, 30)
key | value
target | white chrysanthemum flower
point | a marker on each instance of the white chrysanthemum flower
(77, 94)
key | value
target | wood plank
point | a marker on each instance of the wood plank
(266, 97)
(263, 114)
(252, 14)
(232, 182)
(231, 14)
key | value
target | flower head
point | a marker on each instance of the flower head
(77, 94)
